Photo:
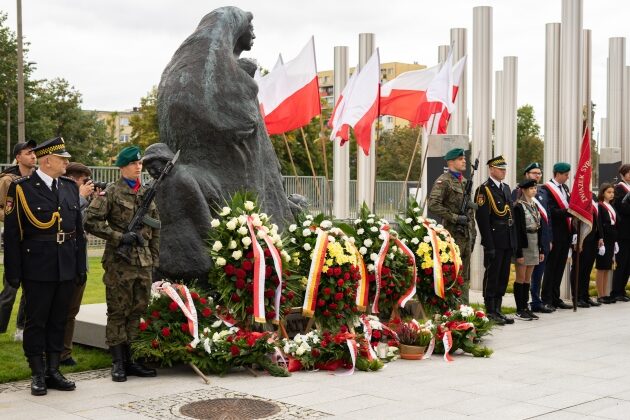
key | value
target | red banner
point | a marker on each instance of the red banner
(581, 201)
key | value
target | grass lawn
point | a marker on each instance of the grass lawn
(14, 367)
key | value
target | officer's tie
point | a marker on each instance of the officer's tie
(54, 189)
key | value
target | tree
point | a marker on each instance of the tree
(144, 125)
(530, 147)
(393, 156)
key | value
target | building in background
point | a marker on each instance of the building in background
(118, 126)
(388, 72)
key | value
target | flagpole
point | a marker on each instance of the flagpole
(378, 136)
(424, 161)
(413, 156)
(297, 180)
(576, 274)
(322, 138)
(310, 161)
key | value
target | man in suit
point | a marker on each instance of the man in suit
(558, 204)
(45, 250)
(494, 219)
(622, 207)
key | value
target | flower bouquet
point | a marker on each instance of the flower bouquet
(381, 338)
(413, 337)
(391, 268)
(456, 330)
(331, 270)
(183, 327)
(248, 272)
(438, 263)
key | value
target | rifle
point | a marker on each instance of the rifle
(463, 210)
(141, 217)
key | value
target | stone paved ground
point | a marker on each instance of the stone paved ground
(566, 365)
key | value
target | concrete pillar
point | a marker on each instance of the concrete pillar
(625, 141)
(614, 97)
(443, 53)
(586, 77)
(570, 94)
(366, 165)
(552, 97)
(510, 107)
(482, 115)
(603, 135)
(341, 154)
(459, 119)
(498, 115)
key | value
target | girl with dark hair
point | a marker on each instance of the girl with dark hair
(607, 220)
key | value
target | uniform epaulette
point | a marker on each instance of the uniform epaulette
(21, 179)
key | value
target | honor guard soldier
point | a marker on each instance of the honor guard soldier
(446, 200)
(494, 219)
(45, 250)
(127, 279)
(562, 231)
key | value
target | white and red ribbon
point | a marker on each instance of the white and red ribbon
(259, 275)
(277, 262)
(411, 291)
(611, 212)
(625, 186)
(560, 199)
(541, 210)
(378, 272)
(188, 307)
(447, 340)
(367, 330)
(429, 351)
(353, 348)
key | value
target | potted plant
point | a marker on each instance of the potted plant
(413, 338)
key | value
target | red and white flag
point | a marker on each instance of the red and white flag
(357, 107)
(439, 95)
(581, 200)
(445, 116)
(402, 96)
(289, 94)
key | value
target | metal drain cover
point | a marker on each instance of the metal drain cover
(229, 409)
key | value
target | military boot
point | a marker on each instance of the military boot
(118, 363)
(497, 302)
(491, 314)
(54, 378)
(134, 368)
(38, 380)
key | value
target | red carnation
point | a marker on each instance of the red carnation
(249, 310)
(155, 314)
(338, 316)
(327, 291)
(269, 293)
(247, 265)
(283, 300)
(249, 287)
(338, 296)
(155, 344)
(240, 273)
(290, 294)
(337, 271)
(321, 302)
(166, 331)
(428, 270)
(446, 268)
(460, 280)
(249, 255)
(268, 271)
(173, 306)
(235, 350)
(239, 284)
(235, 298)
(203, 301)
(330, 272)
(479, 314)
(340, 282)
(267, 253)
(346, 276)
(386, 271)
(332, 306)
(184, 327)
(326, 313)
(229, 269)
(143, 326)
(194, 295)
(315, 352)
(206, 312)
(271, 314)
(343, 329)
(376, 334)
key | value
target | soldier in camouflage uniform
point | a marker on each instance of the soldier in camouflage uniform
(445, 201)
(127, 285)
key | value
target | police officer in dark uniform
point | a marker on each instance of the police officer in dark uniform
(45, 250)
(494, 219)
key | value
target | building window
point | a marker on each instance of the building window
(124, 121)
(123, 138)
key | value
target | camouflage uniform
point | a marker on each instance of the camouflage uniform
(445, 201)
(127, 286)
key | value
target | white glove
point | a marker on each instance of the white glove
(602, 250)
(616, 247)
(574, 240)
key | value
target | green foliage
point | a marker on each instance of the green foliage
(530, 147)
(394, 150)
(144, 125)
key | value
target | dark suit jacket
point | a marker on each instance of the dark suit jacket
(558, 215)
(496, 232)
(521, 232)
(623, 212)
(28, 255)
(609, 231)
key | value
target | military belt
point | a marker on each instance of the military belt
(502, 222)
(532, 230)
(59, 237)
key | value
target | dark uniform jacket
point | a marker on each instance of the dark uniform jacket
(623, 212)
(521, 231)
(546, 234)
(494, 216)
(33, 218)
(561, 231)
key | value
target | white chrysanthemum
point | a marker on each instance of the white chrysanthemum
(350, 239)
(231, 225)
(395, 248)
(293, 240)
(306, 223)
(285, 256)
(220, 262)
(326, 224)
(261, 234)
(242, 231)
(371, 215)
(360, 231)
(331, 239)
(370, 221)
(370, 267)
(246, 241)
(215, 223)
(374, 229)
(249, 205)
(357, 221)
(264, 217)
(374, 256)
(426, 239)
(306, 232)
(363, 250)
(381, 236)
(225, 211)
(300, 351)
(307, 246)
(292, 228)
(216, 246)
(368, 242)
(237, 254)
(416, 210)
(232, 244)
(216, 324)
(391, 255)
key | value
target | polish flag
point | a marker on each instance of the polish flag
(445, 116)
(258, 75)
(439, 95)
(358, 108)
(402, 96)
(581, 200)
(344, 132)
(289, 94)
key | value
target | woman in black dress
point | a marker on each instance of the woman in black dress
(607, 220)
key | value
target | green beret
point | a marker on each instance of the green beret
(127, 155)
(454, 154)
(533, 165)
(561, 167)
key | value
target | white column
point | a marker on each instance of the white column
(510, 105)
(552, 97)
(498, 143)
(482, 114)
(586, 77)
(442, 53)
(625, 141)
(366, 165)
(570, 95)
(614, 110)
(603, 134)
(341, 154)
(459, 120)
